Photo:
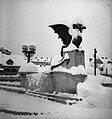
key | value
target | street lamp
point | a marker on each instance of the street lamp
(29, 51)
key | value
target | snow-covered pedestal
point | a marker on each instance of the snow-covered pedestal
(63, 77)
(66, 82)
(76, 58)
(28, 68)
(52, 82)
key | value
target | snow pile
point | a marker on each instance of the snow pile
(91, 84)
(78, 20)
(72, 47)
(27, 68)
(94, 94)
(66, 56)
(73, 70)
(77, 70)
(66, 95)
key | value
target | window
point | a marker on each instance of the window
(9, 62)
(14, 71)
(7, 71)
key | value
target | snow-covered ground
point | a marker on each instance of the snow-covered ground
(96, 103)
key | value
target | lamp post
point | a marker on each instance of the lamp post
(29, 51)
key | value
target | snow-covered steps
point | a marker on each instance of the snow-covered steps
(56, 98)
(47, 97)
(51, 97)
(13, 89)
(8, 83)
(11, 81)
(11, 78)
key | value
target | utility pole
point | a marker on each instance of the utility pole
(95, 51)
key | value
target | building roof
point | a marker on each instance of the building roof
(5, 51)
(13, 60)
(98, 61)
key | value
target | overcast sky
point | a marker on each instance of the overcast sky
(27, 21)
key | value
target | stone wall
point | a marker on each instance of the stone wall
(38, 82)
(52, 82)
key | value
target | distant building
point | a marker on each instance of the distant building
(104, 64)
(10, 64)
(42, 61)
(107, 68)
(99, 63)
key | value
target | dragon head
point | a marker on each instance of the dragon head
(78, 23)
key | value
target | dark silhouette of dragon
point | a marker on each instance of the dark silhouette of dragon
(64, 33)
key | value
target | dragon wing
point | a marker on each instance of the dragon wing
(63, 32)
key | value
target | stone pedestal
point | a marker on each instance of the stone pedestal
(76, 58)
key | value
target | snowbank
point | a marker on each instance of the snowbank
(73, 70)
(94, 94)
(72, 47)
(91, 84)
(78, 70)
(94, 84)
